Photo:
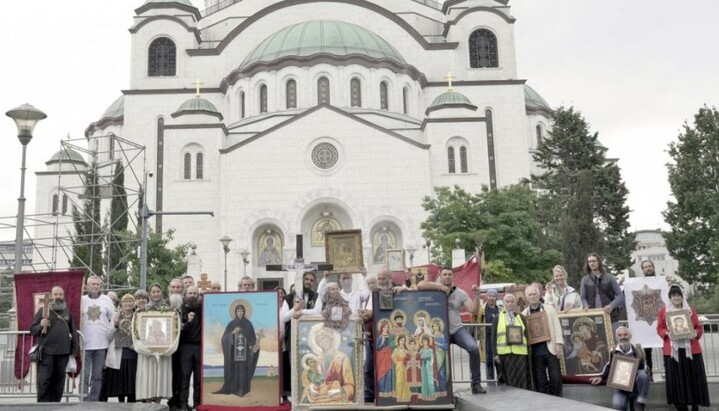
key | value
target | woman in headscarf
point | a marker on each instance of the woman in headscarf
(561, 295)
(513, 355)
(238, 341)
(121, 359)
(685, 380)
(156, 298)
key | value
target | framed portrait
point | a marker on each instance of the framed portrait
(156, 330)
(241, 354)
(679, 324)
(622, 373)
(588, 340)
(329, 364)
(343, 249)
(395, 260)
(514, 335)
(538, 328)
(382, 240)
(412, 340)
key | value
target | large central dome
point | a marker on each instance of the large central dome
(322, 37)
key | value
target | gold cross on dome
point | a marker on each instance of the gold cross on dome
(449, 79)
(197, 87)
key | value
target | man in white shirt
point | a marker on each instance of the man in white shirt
(96, 310)
(357, 299)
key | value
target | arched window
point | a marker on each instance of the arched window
(383, 97)
(161, 58)
(539, 135)
(291, 94)
(188, 166)
(483, 49)
(242, 104)
(64, 204)
(463, 159)
(450, 160)
(355, 93)
(199, 166)
(405, 100)
(55, 204)
(263, 99)
(323, 91)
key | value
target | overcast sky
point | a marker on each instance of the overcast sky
(636, 69)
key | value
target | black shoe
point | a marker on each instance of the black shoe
(477, 389)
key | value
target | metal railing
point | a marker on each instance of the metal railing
(11, 387)
(709, 343)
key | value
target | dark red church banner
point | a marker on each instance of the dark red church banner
(29, 289)
(465, 275)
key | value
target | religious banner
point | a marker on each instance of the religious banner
(240, 350)
(327, 357)
(644, 296)
(412, 356)
(29, 290)
(588, 340)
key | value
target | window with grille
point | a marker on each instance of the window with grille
(483, 49)
(383, 98)
(263, 99)
(162, 56)
(188, 166)
(405, 100)
(450, 160)
(199, 166)
(463, 159)
(323, 91)
(64, 204)
(242, 105)
(355, 93)
(539, 135)
(55, 204)
(291, 94)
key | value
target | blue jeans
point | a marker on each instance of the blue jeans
(92, 373)
(468, 343)
(621, 399)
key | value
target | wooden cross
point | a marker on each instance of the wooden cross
(197, 85)
(299, 267)
(204, 284)
(449, 79)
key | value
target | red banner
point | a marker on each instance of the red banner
(465, 275)
(29, 289)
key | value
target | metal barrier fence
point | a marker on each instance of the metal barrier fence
(11, 387)
(709, 343)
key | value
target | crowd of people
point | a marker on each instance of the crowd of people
(118, 364)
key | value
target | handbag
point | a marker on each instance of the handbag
(37, 353)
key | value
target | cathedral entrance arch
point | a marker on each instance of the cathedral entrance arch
(319, 219)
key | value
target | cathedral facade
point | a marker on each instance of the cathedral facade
(287, 117)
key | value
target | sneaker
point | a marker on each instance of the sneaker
(477, 389)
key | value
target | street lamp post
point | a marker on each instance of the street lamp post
(410, 251)
(244, 254)
(226, 248)
(428, 246)
(26, 118)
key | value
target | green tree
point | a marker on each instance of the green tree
(119, 241)
(503, 221)
(693, 215)
(163, 263)
(583, 201)
(88, 238)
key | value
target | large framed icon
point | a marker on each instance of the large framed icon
(343, 249)
(156, 330)
(588, 340)
(241, 356)
(327, 363)
(412, 355)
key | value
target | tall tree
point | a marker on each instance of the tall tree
(583, 201)
(693, 215)
(163, 262)
(504, 221)
(88, 239)
(119, 241)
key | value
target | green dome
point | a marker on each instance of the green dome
(115, 110)
(322, 37)
(533, 101)
(197, 105)
(66, 155)
(450, 97)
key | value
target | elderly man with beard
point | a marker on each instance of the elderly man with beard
(58, 335)
(625, 348)
(96, 311)
(190, 349)
(545, 355)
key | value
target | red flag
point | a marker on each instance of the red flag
(468, 274)
(29, 288)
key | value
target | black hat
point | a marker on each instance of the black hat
(675, 289)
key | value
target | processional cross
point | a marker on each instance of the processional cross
(299, 267)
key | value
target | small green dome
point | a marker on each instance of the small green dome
(197, 105)
(450, 97)
(322, 37)
(115, 110)
(533, 101)
(66, 155)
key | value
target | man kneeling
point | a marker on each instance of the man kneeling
(621, 399)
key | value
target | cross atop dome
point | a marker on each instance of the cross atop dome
(449, 79)
(197, 85)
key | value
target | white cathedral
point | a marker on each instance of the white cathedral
(288, 117)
